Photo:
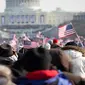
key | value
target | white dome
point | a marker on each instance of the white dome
(18, 3)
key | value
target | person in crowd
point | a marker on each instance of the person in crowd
(77, 59)
(47, 46)
(62, 63)
(5, 76)
(7, 56)
(60, 60)
(37, 64)
(17, 69)
(21, 52)
(55, 44)
(50, 41)
(72, 43)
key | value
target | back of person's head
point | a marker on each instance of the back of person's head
(59, 59)
(55, 41)
(47, 46)
(5, 75)
(55, 46)
(6, 52)
(36, 59)
(72, 43)
(50, 42)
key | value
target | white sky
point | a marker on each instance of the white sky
(68, 5)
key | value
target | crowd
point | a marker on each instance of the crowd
(48, 64)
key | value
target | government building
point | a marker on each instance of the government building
(20, 17)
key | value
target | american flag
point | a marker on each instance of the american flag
(25, 37)
(26, 44)
(13, 42)
(39, 35)
(15, 38)
(45, 40)
(26, 41)
(29, 44)
(65, 30)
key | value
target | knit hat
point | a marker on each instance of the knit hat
(36, 59)
(55, 41)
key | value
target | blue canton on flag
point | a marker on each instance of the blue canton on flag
(66, 30)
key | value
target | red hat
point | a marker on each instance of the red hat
(55, 41)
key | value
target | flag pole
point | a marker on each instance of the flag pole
(78, 36)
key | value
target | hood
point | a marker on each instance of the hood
(42, 74)
(74, 48)
(73, 54)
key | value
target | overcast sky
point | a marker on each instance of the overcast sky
(68, 5)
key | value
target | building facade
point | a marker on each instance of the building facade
(29, 17)
(79, 16)
(20, 12)
(58, 17)
(19, 16)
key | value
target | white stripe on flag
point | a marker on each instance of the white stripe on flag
(65, 30)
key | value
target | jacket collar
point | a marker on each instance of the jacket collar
(42, 74)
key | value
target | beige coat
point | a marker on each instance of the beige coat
(77, 59)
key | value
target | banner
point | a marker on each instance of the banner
(26, 42)
(65, 31)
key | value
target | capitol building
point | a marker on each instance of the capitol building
(20, 16)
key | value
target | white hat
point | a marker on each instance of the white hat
(47, 46)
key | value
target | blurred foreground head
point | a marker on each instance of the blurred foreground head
(36, 59)
(5, 76)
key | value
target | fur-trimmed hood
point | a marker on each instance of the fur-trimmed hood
(74, 51)
(76, 48)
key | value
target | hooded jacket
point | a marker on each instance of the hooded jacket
(77, 59)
